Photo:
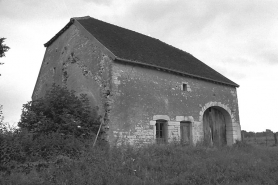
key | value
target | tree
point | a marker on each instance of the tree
(1, 114)
(3, 47)
(1, 120)
(60, 110)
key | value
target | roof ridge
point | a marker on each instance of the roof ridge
(80, 18)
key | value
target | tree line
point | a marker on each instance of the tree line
(252, 134)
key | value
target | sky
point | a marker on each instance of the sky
(239, 39)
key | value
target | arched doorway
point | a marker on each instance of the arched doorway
(216, 122)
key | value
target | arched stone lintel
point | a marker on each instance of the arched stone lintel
(217, 104)
(231, 129)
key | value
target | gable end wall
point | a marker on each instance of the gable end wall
(79, 62)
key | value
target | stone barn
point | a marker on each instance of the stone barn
(146, 90)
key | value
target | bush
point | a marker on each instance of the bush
(59, 111)
(60, 123)
(20, 150)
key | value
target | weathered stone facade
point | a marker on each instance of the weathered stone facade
(142, 95)
(133, 98)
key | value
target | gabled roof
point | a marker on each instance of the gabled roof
(130, 46)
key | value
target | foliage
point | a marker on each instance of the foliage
(59, 124)
(5, 127)
(19, 150)
(59, 111)
(256, 134)
(1, 114)
(155, 164)
(3, 47)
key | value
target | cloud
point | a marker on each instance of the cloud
(190, 15)
(195, 17)
(270, 56)
(230, 72)
(32, 10)
(238, 61)
(230, 27)
(101, 2)
(197, 14)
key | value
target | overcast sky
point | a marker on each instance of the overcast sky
(237, 38)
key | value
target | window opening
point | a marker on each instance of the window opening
(184, 87)
(160, 131)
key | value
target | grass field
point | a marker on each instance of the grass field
(153, 164)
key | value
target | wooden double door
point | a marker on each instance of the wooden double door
(214, 124)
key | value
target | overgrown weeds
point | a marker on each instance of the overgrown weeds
(57, 160)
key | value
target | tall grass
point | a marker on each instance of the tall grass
(152, 164)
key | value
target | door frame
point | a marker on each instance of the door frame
(182, 124)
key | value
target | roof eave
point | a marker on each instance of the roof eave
(174, 71)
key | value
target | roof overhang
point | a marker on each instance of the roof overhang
(117, 59)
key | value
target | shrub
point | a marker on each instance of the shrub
(61, 111)
(60, 123)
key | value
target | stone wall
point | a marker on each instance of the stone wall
(79, 62)
(140, 93)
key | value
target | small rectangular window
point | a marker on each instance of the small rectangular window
(184, 86)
